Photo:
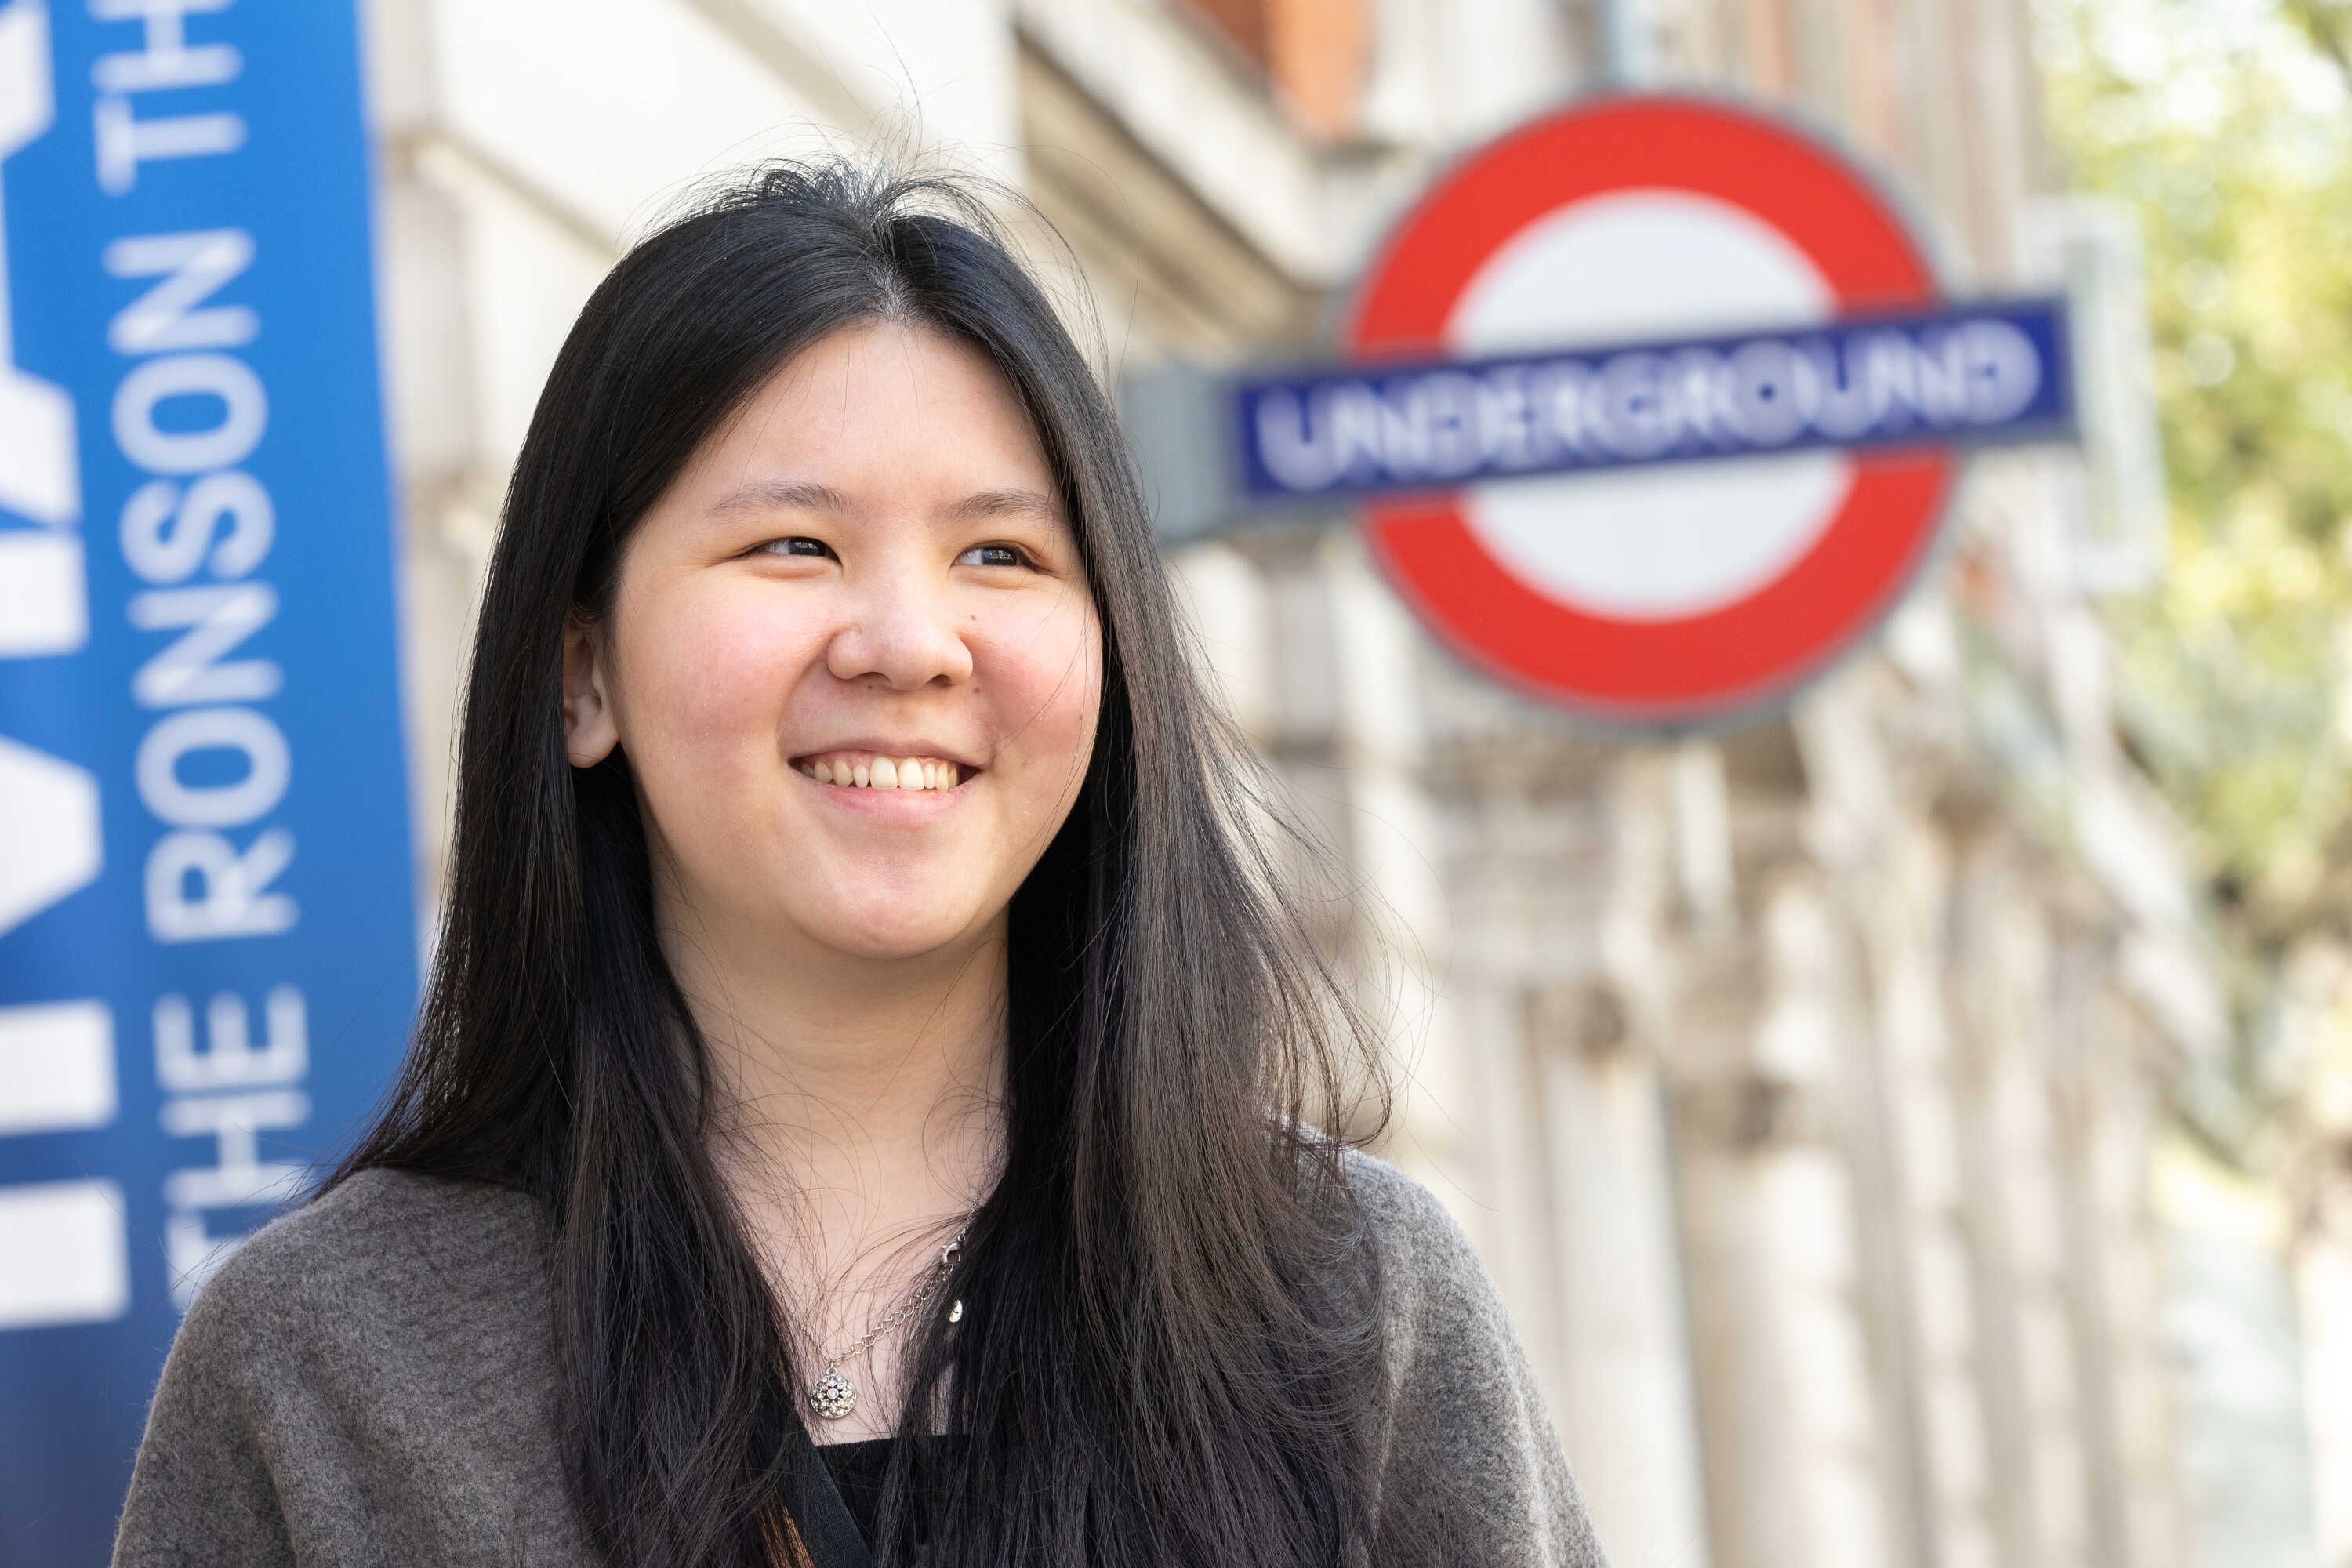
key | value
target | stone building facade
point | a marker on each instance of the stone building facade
(1798, 1083)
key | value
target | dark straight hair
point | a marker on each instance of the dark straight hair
(1170, 1351)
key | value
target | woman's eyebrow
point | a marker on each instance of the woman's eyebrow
(809, 495)
(1015, 502)
(775, 495)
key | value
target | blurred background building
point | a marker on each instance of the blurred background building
(1846, 1104)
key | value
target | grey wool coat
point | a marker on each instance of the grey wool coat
(370, 1379)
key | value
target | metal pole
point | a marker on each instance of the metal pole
(1623, 58)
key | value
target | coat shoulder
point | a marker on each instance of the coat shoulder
(381, 1245)
(1424, 1249)
(1472, 1462)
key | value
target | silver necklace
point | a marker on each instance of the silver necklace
(832, 1395)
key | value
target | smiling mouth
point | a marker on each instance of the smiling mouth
(868, 770)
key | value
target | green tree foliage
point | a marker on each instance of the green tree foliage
(2227, 124)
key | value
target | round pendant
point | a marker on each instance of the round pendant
(832, 1395)
(955, 1313)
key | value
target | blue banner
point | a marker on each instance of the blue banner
(207, 918)
(1972, 375)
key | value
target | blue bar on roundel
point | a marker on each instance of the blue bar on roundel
(1966, 375)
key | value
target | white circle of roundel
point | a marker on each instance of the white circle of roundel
(1669, 540)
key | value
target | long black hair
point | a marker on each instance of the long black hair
(1170, 1348)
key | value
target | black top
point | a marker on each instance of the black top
(856, 1469)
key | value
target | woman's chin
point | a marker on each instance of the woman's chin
(886, 934)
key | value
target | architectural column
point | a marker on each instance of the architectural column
(1629, 1409)
(2029, 1361)
(2108, 1105)
(1788, 1419)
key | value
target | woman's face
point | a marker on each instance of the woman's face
(867, 567)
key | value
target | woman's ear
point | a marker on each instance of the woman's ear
(589, 734)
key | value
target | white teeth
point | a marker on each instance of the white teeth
(886, 772)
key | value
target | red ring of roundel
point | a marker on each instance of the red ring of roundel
(1739, 651)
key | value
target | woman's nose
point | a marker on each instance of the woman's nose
(902, 629)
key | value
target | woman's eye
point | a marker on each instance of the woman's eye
(802, 544)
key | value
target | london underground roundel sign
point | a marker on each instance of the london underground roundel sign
(1653, 406)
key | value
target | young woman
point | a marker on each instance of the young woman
(862, 1110)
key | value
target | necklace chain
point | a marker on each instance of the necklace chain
(832, 1395)
(905, 1309)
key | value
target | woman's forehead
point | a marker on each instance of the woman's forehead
(875, 407)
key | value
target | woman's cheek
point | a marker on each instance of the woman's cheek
(726, 669)
(1042, 679)
(1066, 683)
